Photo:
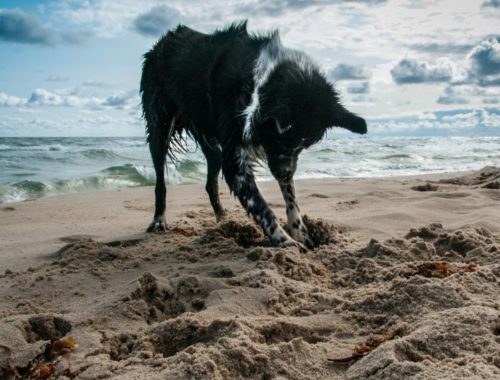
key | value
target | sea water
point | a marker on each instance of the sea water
(37, 167)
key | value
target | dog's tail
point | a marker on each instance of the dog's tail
(153, 104)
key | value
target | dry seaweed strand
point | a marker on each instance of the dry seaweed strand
(42, 366)
(364, 349)
(183, 231)
(443, 269)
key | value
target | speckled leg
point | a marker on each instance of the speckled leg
(296, 226)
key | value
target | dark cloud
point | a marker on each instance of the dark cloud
(452, 99)
(359, 88)
(485, 63)
(410, 70)
(22, 27)
(277, 7)
(156, 21)
(345, 71)
(19, 26)
(491, 3)
(442, 48)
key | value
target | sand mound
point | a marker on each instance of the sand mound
(488, 177)
(220, 303)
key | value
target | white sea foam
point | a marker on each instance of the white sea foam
(39, 167)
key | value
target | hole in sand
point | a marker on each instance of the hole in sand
(244, 234)
(171, 337)
(46, 327)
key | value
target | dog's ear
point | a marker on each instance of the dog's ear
(345, 119)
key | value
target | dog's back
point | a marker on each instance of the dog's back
(181, 75)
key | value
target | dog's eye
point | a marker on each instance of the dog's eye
(281, 129)
(307, 142)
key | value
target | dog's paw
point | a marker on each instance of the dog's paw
(302, 235)
(220, 216)
(157, 225)
(293, 244)
(309, 243)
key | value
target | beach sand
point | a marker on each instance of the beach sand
(406, 284)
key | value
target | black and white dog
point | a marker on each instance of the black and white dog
(242, 97)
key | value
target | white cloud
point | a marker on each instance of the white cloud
(409, 70)
(476, 119)
(11, 101)
(45, 98)
(57, 78)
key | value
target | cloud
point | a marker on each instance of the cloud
(452, 99)
(156, 21)
(45, 98)
(465, 93)
(491, 101)
(491, 3)
(441, 47)
(278, 7)
(409, 70)
(345, 71)
(359, 88)
(95, 83)
(121, 100)
(19, 26)
(57, 78)
(484, 62)
(22, 27)
(11, 101)
(460, 121)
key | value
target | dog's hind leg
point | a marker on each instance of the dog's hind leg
(158, 145)
(296, 226)
(213, 155)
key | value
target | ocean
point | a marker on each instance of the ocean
(38, 167)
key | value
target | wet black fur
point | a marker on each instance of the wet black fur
(199, 85)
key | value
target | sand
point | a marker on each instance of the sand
(405, 285)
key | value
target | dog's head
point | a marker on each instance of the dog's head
(296, 107)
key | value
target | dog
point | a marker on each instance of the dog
(242, 97)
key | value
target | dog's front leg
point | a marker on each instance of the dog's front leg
(241, 180)
(295, 224)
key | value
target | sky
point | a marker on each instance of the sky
(410, 67)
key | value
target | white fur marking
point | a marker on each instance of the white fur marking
(270, 56)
